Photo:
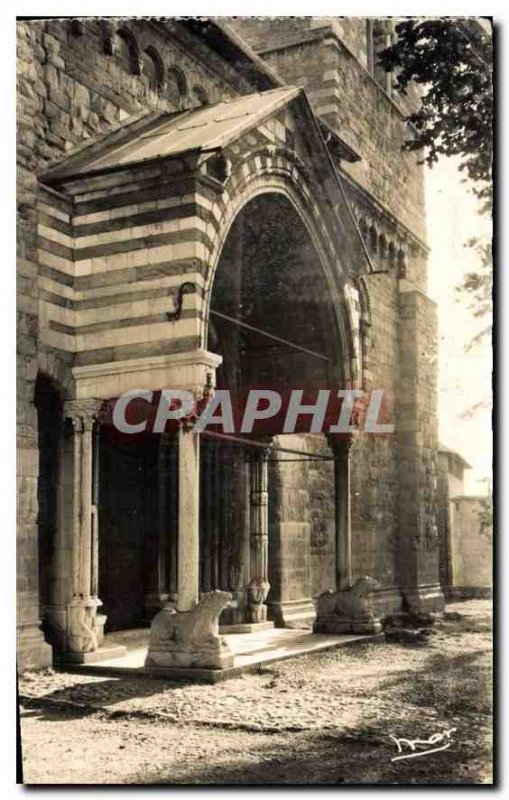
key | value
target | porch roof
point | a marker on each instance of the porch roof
(157, 136)
(170, 134)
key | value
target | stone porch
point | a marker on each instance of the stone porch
(251, 653)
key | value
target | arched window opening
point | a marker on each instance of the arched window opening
(380, 34)
(401, 264)
(176, 86)
(392, 254)
(152, 69)
(127, 52)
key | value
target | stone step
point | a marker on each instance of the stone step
(251, 651)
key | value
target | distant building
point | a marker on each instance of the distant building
(465, 530)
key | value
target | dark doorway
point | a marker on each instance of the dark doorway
(50, 423)
(272, 319)
(128, 524)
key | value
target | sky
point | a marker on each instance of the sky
(464, 375)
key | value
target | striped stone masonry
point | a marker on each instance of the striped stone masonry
(111, 268)
(128, 255)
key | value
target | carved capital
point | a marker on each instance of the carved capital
(260, 454)
(341, 445)
(83, 413)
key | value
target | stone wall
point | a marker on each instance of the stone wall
(327, 58)
(471, 543)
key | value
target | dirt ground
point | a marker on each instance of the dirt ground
(322, 719)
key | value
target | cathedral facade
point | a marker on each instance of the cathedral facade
(205, 205)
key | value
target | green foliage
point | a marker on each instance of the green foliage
(479, 286)
(451, 58)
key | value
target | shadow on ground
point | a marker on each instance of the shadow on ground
(457, 688)
(91, 697)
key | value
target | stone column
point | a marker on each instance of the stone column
(159, 546)
(258, 587)
(349, 608)
(82, 628)
(343, 520)
(189, 518)
(189, 636)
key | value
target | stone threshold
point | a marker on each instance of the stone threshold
(252, 652)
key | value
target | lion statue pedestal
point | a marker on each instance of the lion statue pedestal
(190, 638)
(348, 611)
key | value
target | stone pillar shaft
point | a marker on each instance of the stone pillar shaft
(82, 633)
(189, 519)
(259, 586)
(343, 517)
(76, 505)
(85, 582)
(95, 513)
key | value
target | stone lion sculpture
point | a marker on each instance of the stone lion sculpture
(190, 638)
(348, 610)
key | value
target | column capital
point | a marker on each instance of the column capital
(341, 445)
(260, 453)
(83, 413)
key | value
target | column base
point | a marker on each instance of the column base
(348, 610)
(452, 593)
(33, 650)
(236, 612)
(424, 599)
(387, 601)
(190, 638)
(333, 624)
(299, 614)
(257, 614)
